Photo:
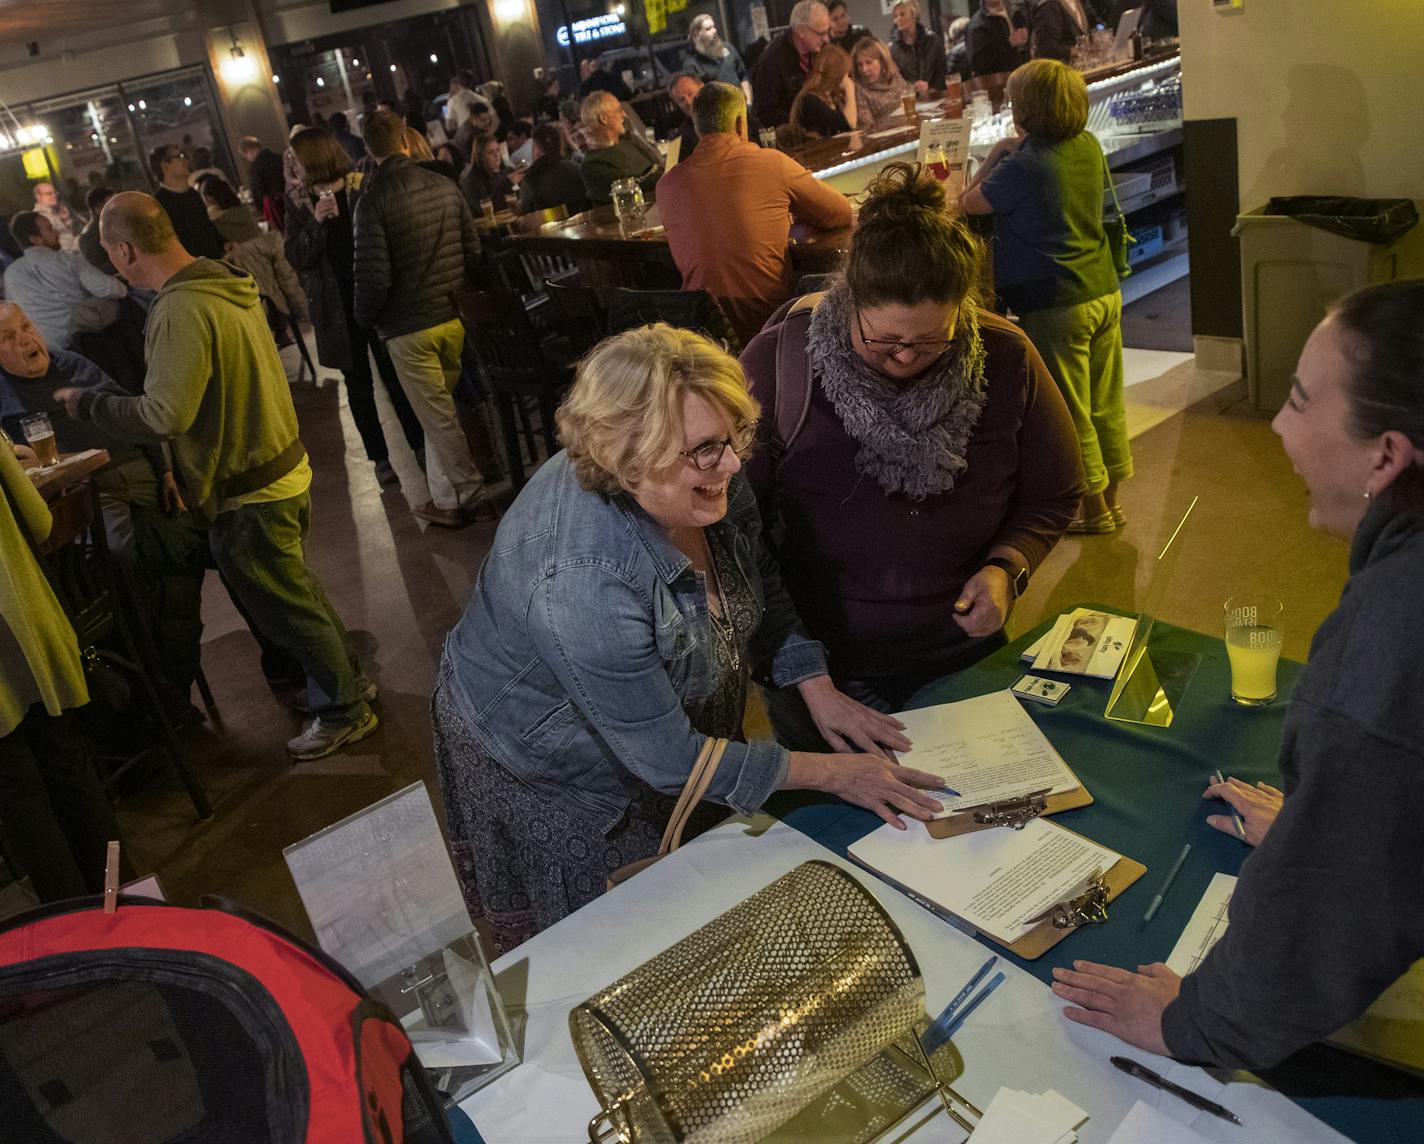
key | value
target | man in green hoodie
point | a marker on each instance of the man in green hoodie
(216, 390)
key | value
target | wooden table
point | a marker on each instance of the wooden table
(73, 468)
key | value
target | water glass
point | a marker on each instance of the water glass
(628, 203)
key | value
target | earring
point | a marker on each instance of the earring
(1368, 494)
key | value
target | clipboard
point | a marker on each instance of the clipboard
(1084, 908)
(1014, 813)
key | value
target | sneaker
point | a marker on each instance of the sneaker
(442, 517)
(386, 475)
(321, 739)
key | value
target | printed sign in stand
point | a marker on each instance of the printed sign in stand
(944, 151)
(384, 902)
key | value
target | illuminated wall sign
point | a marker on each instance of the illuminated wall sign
(594, 28)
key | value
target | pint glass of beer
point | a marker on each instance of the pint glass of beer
(1253, 647)
(40, 435)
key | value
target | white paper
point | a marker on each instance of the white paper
(986, 748)
(1205, 927)
(1085, 642)
(995, 880)
(1147, 1125)
(379, 888)
(1015, 1117)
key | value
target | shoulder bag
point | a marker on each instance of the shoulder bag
(697, 783)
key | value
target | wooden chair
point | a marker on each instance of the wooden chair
(578, 313)
(517, 366)
(92, 592)
(695, 310)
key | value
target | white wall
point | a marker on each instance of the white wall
(1325, 93)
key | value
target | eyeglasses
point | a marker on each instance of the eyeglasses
(708, 455)
(887, 347)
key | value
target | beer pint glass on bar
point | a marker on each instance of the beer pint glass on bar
(907, 104)
(40, 435)
(1253, 646)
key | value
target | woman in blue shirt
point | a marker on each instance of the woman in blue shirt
(626, 602)
(1054, 268)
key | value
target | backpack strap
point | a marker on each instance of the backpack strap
(793, 384)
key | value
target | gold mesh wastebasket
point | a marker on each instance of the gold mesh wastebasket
(729, 1033)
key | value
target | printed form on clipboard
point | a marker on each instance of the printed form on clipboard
(990, 753)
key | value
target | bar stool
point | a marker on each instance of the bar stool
(91, 591)
(518, 366)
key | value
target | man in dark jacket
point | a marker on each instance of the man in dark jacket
(266, 179)
(998, 38)
(782, 68)
(844, 34)
(1056, 25)
(917, 53)
(415, 246)
(551, 181)
(710, 58)
(184, 205)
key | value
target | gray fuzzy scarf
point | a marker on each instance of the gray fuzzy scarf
(912, 435)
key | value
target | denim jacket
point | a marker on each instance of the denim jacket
(588, 636)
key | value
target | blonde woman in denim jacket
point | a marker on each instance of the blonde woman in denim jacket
(626, 602)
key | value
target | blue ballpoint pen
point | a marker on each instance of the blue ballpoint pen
(979, 999)
(1236, 819)
(935, 1034)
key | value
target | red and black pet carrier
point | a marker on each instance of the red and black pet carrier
(162, 1025)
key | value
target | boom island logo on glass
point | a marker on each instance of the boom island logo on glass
(594, 28)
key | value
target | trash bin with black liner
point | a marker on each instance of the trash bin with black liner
(1298, 255)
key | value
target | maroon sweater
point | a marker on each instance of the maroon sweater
(875, 575)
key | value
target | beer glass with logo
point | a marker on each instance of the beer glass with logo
(40, 435)
(1253, 647)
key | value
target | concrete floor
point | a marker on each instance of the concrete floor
(400, 586)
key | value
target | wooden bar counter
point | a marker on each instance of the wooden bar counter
(609, 255)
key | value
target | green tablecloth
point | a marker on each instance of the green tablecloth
(1147, 784)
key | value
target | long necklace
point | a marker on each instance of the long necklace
(724, 625)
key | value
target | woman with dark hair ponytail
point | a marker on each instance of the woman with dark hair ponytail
(917, 461)
(1329, 911)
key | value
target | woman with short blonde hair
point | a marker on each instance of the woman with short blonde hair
(623, 419)
(1050, 100)
(1054, 267)
(879, 86)
(626, 601)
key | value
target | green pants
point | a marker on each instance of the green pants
(1082, 347)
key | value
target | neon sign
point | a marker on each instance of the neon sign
(594, 28)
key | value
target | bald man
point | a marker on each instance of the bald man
(216, 390)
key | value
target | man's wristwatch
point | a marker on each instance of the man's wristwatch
(1018, 575)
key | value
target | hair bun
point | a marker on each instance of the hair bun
(901, 191)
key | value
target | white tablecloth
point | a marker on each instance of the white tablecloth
(1017, 1038)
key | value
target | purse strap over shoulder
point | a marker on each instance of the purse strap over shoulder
(708, 759)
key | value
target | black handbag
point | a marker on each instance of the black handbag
(1115, 227)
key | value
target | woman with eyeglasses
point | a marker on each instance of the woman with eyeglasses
(915, 460)
(624, 605)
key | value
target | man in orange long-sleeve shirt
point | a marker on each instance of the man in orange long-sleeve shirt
(728, 211)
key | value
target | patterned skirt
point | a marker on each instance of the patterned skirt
(524, 861)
